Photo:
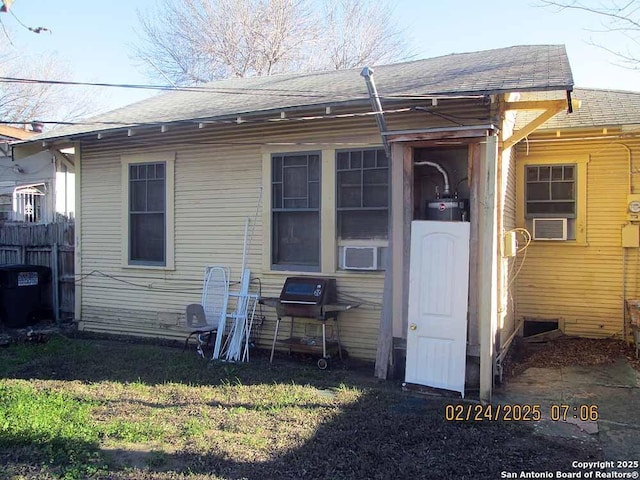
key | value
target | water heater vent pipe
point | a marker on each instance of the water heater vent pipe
(447, 189)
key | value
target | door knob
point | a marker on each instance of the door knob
(413, 326)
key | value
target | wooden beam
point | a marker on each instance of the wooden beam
(551, 108)
(536, 105)
(425, 136)
(64, 160)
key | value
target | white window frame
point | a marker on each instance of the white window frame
(168, 158)
(579, 220)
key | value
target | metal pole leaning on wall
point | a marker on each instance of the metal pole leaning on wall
(384, 357)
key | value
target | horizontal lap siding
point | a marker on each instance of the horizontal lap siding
(583, 285)
(217, 186)
(507, 305)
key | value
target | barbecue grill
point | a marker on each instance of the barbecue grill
(308, 297)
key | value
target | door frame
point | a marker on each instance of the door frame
(482, 142)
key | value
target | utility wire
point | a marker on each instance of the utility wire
(253, 91)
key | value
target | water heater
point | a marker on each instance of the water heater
(447, 210)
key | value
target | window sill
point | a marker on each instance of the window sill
(573, 243)
(149, 267)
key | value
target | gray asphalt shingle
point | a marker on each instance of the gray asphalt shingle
(517, 68)
(600, 108)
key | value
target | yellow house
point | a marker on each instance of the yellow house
(415, 169)
(577, 179)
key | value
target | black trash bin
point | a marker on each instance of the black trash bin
(25, 294)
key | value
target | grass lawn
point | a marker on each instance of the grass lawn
(78, 408)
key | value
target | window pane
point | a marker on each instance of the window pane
(556, 173)
(369, 159)
(276, 173)
(155, 195)
(377, 177)
(551, 208)
(147, 237)
(343, 160)
(538, 191)
(383, 161)
(367, 224)
(356, 159)
(568, 172)
(349, 189)
(350, 197)
(159, 170)
(532, 174)
(138, 195)
(295, 182)
(295, 161)
(277, 195)
(314, 195)
(562, 191)
(314, 167)
(296, 238)
(375, 197)
(133, 172)
(295, 203)
(142, 172)
(544, 173)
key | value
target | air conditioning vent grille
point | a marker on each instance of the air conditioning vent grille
(360, 258)
(549, 228)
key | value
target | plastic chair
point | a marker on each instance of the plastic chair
(196, 321)
(209, 317)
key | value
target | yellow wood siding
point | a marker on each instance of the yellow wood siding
(507, 304)
(582, 284)
(218, 179)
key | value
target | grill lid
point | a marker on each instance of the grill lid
(308, 291)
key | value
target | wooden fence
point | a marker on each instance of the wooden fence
(50, 245)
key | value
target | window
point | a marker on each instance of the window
(147, 210)
(552, 197)
(147, 213)
(295, 210)
(550, 191)
(362, 182)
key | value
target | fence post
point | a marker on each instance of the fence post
(56, 282)
(23, 254)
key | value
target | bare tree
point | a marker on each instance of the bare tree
(195, 41)
(26, 101)
(356, 33)
(616, 17)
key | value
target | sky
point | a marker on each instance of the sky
(95, 38)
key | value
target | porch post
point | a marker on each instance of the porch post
(487, 264)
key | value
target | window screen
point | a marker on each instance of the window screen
(551, 191)
(362, 183)
(147, 213)
(295, 211)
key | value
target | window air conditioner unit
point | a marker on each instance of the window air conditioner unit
(549, 228)
(360, 258)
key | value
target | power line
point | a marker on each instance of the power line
(253, 91)
(201, 89)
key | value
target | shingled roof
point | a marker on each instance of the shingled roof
(600, 108)
(518, 68)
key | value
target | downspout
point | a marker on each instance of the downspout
(384, 356)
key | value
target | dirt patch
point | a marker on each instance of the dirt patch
(565, 351)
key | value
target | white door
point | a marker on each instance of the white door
(438, 300)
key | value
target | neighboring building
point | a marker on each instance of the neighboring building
(39, 188)
(577, 179)
(165, 187)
